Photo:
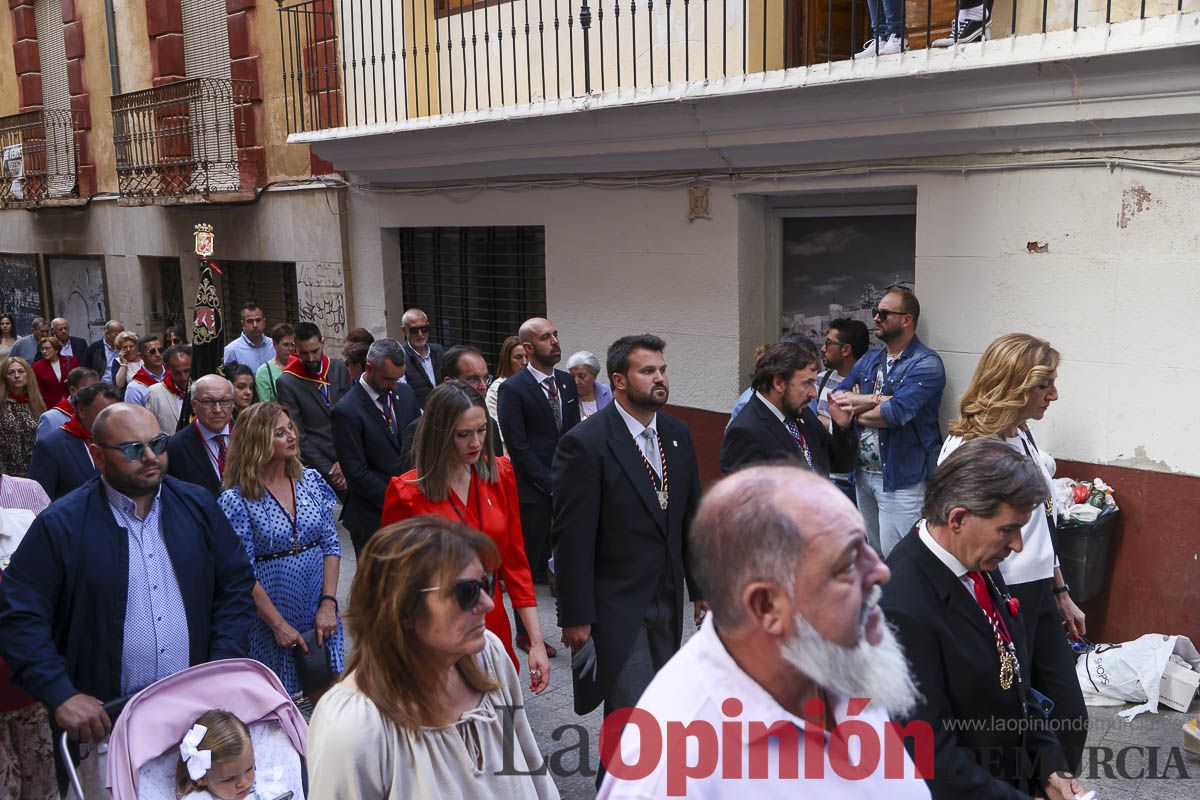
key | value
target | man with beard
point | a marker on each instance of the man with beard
(778, 425)
(626, 486)
(424, 358)
(963, 633)
(796, 645)
(537, 406)
(309, 388)
(168, 401)
(894, 394)
(131, 578)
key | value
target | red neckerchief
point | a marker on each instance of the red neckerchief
(23, 399)
(169, 382)
(145, 378)
(74, 427)
(65, 406)
(296, 367)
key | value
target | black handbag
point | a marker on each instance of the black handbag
(313, 669)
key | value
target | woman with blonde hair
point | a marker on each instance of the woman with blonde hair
(283, 514)
(430, 705)
(128, 361)
(1013, 384)
(21, 406)
(513, 358)
(458, 477)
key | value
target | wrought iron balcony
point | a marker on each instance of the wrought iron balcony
(183, 141)
(359, 62)
(39, 159)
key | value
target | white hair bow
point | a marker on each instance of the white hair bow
(198, 761)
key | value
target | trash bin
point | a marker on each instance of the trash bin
(1083, 552)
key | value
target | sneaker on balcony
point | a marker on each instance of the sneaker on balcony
(881, 47)
(964, 31)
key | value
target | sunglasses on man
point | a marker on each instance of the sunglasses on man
(883, 313)
(133, 451)
(467, 592)
(417, 328)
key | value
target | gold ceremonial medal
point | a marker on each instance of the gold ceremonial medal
(1008, 668)
(662, 500)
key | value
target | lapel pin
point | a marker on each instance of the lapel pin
(674, 443)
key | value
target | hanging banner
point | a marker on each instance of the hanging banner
(207, 346)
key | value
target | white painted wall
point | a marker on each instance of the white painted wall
(1115, 293)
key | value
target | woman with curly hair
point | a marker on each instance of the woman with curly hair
(1013, 384)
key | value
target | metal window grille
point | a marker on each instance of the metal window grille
(477, 285)
(270, 284)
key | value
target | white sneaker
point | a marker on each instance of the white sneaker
(882, 47)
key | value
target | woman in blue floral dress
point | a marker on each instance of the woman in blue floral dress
(284, 516)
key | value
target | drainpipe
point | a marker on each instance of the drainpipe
(114, 66)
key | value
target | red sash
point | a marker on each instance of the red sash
(296, 367)
(169, 382)
(74, 427)
(65, 406)
(144, 377)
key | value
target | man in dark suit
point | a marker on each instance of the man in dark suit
(459, 363)
(537, 406)
(778, 424)
(100, 354)
(60, 329)
(963, 634)
(61, 462)
(626, 487)
(197, 453)
(367, 425)
(424, 357)
(310, 386)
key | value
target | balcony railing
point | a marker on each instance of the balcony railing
(38, 152)
(182, 140)
(368, 62)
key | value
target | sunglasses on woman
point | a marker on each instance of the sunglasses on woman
(467, 592)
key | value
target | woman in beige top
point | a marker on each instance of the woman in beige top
(513, 359)
(423, 706)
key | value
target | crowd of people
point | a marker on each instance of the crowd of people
(852, 564)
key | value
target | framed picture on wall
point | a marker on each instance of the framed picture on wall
(837, 263)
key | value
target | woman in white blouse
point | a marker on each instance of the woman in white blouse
(513, 359)
(429, 694)
(1013, 384)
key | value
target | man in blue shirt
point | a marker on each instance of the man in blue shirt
(894, 394)
(252, 348)
(130, 578)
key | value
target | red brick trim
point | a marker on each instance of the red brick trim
(241, 20)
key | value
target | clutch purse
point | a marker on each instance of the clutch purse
(313, 669)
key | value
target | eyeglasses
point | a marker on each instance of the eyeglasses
(832, 343)
(477, 380)
(467, 592)
(417, 328)
(133, 451)
(883, 313)
(213, 403)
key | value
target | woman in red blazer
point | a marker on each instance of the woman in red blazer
(51, 371)
(458, 477)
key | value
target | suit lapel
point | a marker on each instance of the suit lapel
(199, 453)
(79, 453)
(625, 450)
(538, 394)
(949, 587)
(675, 461)
(777, 428)
(373, 411)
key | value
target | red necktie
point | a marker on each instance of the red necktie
(221, 451)
(984, 598)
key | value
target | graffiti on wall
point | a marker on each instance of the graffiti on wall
(322, 298)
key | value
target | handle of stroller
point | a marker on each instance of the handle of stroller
(113, 709)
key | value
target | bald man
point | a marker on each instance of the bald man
(99, 601)
(60, 328)
(793, 635)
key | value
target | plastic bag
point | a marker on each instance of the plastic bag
(1131, 672)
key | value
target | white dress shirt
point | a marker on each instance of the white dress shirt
(426, 361)
(691, 689)
(635, 430)
(944, 556)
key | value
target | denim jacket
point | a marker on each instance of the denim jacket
(912, 439)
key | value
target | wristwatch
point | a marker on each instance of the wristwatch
(1066, 587)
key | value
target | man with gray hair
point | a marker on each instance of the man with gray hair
(196, 453)
(26, 346)
(60, 328)
(100, 353)
(962, 629)
(795, 645)
(368, 423)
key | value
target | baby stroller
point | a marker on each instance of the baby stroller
(143, 749)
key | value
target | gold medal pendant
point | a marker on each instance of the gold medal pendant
(662, 500)
(1008, 664)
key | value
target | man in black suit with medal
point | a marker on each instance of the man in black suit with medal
(626, 488)
(368, 423)
(778, 424)
(962, 633)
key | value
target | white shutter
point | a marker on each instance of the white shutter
(56, 94)
(205, 39)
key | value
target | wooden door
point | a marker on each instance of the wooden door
(826, 30)
(928, 20)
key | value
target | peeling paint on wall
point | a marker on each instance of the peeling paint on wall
(1134, 201)
(1140, 460)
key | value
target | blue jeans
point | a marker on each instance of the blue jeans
(892, 23)
(888, 515)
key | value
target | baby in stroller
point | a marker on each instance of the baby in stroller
(216, 759)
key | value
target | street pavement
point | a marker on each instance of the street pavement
(1142, 759)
